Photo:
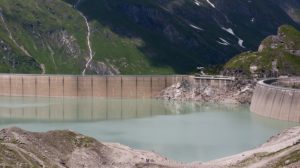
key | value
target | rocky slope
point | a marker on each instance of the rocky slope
(239, 92)
(133, 36)
(20, 148)
(277, 55)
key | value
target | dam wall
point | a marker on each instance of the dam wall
(274, 100)
(288, 82)
(86, 86)
(214, 81)
(130, 87)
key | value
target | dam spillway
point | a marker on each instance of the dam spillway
(277, 99)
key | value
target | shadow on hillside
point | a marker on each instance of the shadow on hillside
(166, 40)
(151, 24)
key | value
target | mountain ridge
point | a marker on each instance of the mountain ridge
(135, 37)
(277, 55)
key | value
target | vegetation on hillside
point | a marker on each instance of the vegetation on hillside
(277, 54)
(132, 36)
(51, 32)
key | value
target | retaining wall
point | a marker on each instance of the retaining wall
(275, 101)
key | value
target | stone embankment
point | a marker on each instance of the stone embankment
(238, 91)
(19, 148)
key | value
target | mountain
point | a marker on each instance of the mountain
(277, 55)
(38, 35)
(134, 36)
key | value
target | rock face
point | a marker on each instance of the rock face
(240, 92)
(19, 148)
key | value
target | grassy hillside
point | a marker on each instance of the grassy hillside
(283, 50)
(133, 36)
(133, 48)
(123, 52)
(159, 37)
(51, 32)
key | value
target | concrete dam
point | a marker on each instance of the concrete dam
(133, 87)
(277, 99)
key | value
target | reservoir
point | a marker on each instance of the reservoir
(183, 131)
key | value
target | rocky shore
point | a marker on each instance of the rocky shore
(239, 92)
(19, 148)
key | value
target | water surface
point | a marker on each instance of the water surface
(182, 131)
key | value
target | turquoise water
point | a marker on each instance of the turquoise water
(182, 131)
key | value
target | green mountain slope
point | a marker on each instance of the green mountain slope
(179, 34)
(133, 36)
(278, 54)
(51, 33)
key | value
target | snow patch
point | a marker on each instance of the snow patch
(229, 30)
(223, 42)
(241, 43)
(197, 2)
(211, 4)
(196, 27)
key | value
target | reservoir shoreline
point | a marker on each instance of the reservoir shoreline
(282, 149)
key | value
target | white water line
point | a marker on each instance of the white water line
(91, 55)
(210, 3)
(89, 44)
